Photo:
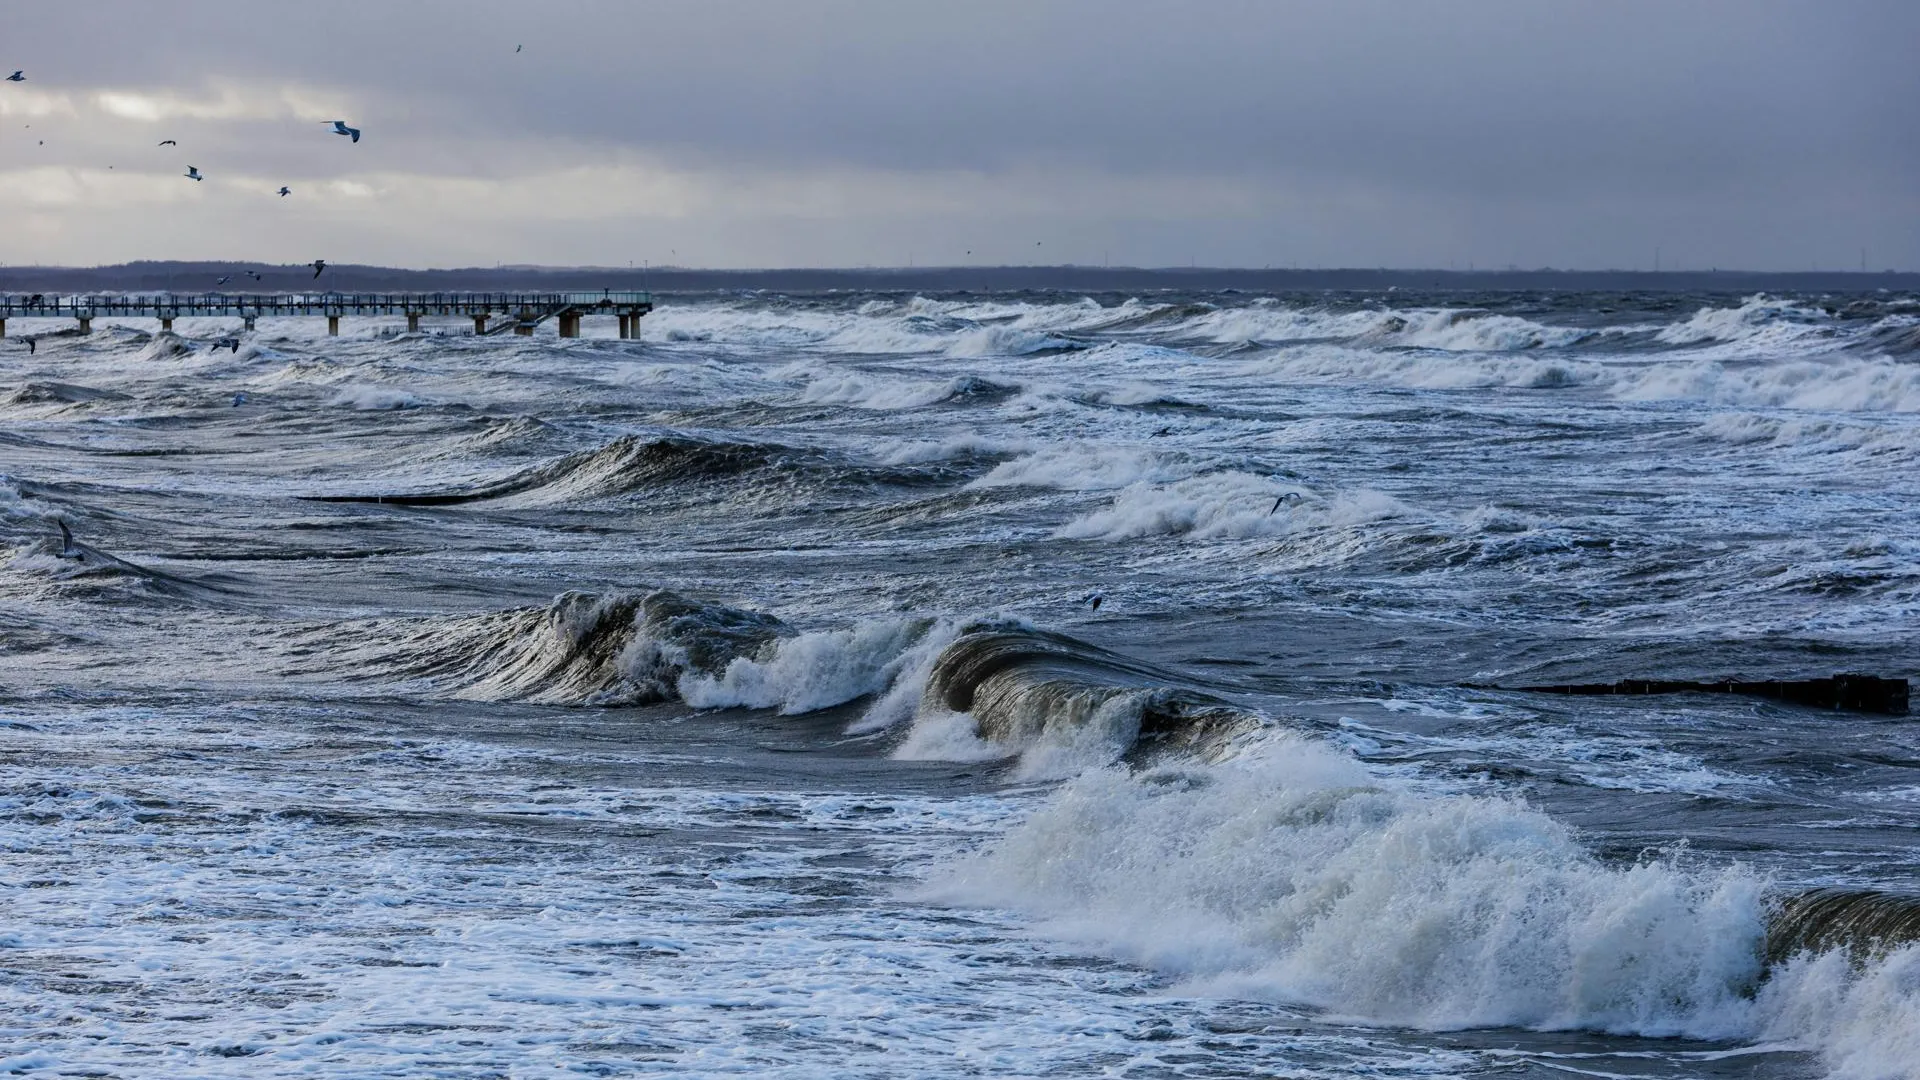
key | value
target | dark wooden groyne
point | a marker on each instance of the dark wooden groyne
(1853, 693)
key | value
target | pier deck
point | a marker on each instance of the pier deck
(521, 311)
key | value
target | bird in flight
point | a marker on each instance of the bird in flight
(68, 549)
(224, 280)
(253, 275)
(284, 192)
(169, 142)
(340, 128)
(517, 48)
(193, 173)
(18, 76)
(318, 265)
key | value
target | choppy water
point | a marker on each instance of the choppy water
(733, 702)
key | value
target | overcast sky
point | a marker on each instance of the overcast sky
(755, 133)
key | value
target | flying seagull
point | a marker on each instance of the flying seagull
(67, 548)
(169, 142)
(318, 266)
(340, 128)
(224, 280)
(1282, 500)
(284, 192)
(253, 275)
(18, 76)
(1162, 433)
(1093, 600)
(517, 48)
(239, 400)
(193, 173)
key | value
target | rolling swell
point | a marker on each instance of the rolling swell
(632, 463)
(1864, 923)
(585, 649)
(1025, 687)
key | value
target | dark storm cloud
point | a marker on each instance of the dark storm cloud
(1751, 131)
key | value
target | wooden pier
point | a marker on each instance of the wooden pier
(519, 312)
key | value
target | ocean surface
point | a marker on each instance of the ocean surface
(948, 685)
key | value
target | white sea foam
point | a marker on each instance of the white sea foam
(374, 398)
(1838, 384)
(16, 507)
(1294, 875)
(868, 391)
(1230, 505)
(1759, 320)
(164, 346)
(1812, 434)
(1084, 467)
(1004, 341)
(815, 670)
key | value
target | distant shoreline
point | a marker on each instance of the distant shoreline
(200, 277)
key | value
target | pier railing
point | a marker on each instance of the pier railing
(524, 309)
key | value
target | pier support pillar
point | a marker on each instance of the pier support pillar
(247, 324)
(633, 326)
(625, 329)
(333, 326)
(413, 322)
(569, 324)
(166, 325)
(524, 329)
(479, 326)
(86, 325)
(3, 328)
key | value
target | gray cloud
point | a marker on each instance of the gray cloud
(1730, 132)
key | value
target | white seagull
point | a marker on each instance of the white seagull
(18, 76)
(193, 173)
(340, 128)
(67, 548)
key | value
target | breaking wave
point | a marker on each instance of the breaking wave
(1290, 873)
(620, 649)
(1005, 689)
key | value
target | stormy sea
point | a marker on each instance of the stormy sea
(861, 685)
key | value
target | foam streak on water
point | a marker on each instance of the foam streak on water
(737, 701)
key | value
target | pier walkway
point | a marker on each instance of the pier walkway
(520, 312)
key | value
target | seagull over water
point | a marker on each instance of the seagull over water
(318, 266)
(18, 76)
(67, 548)
(340, 128)
(193, 173)
(224, 280)
(1291, 496)
(284, 192)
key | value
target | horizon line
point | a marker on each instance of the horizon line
(547, 268)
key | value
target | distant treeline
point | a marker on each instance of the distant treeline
(201, 276)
